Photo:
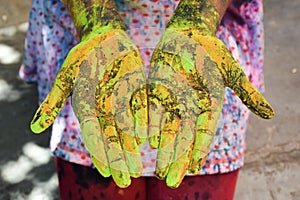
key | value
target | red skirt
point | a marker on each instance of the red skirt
(81, 182)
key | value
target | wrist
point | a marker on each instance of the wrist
(202, 16)
(94, 17)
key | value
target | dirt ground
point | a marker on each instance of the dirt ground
(272, 167)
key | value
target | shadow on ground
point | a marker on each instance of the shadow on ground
(27, 167)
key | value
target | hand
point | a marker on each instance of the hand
(105, 76)
(187, 80)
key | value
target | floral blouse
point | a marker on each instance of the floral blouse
(51, 35)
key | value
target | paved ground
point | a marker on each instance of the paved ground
(272, 168)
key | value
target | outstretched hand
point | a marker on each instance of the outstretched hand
(188, 76)
(105, 77)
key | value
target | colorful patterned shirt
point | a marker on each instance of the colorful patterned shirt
(51, 35)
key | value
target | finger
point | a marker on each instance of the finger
(114, 151)
(155, 113)
(203, 139)
(125, 129)
(132, 154)
(165, 153)
(122, 179)
(139, 106)
(249, 95)
(160, 95)
(93, 140)
(102, 168)
(177, 170)
(55, 100)
(111, 138)
(182, 153)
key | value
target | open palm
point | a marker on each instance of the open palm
(105, 77)
(187, 81)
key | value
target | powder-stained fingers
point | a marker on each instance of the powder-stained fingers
(156, 112)
(61, 90)
(116, 158)
(139, 106)
(168, 132)
(132, 154)
(182, 153)
(93, 140)
(203, 140)
(249, 95)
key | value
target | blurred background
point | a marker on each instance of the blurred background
(272, 167)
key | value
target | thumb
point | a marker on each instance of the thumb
(61, 90)
(249, 95)
(235, 78)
